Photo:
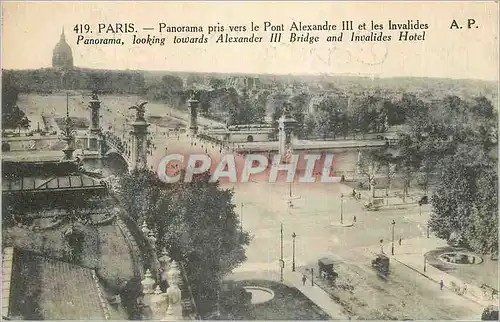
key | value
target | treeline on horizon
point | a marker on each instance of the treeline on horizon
(47, 80)
(324, 106)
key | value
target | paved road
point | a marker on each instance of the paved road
(315, 218)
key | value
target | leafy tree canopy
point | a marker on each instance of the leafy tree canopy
(196, 221)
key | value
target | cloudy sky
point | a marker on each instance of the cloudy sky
(31, 30)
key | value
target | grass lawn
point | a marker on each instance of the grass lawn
(288, 304)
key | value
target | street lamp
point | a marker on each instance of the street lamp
(282, 262)
(293, 251)
(341, 208)
(241, 218)
(393, 224)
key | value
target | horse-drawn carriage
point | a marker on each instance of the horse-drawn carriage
(326, 271)
(381, 264)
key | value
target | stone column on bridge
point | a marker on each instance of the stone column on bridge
(95, 135)
(286, 125)
(139, 134)
(193, 104)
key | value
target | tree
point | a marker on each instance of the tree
(193, 79)
(369, 167)
(12, 115)
(322, 123)
(388, 161)
(260, 103)
(465, 201)
(300, 103)
(216, 83)
(483, 233)
(196, 221)
(451, 202)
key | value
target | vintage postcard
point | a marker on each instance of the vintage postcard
(250, 160)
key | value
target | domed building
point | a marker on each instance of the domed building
(62, 56)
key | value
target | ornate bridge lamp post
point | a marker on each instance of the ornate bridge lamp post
(94, 128)
(139, 148)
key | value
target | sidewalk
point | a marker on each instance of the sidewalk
(411, 254)
(315, 294)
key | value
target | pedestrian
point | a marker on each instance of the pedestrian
(400, 239)
(342, 178)
(354, 218)
(465, 288)
(441, 285)
(359, 195)
(303, 280)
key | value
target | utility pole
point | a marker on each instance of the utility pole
(393, 224)
(293, 252)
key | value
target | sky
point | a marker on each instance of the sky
(30, 30)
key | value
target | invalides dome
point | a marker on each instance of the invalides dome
(62, 56)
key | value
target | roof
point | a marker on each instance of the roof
(326, 261)
(32, 156)
(45, 183)
(48, 289)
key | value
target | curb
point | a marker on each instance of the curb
(435, 281)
